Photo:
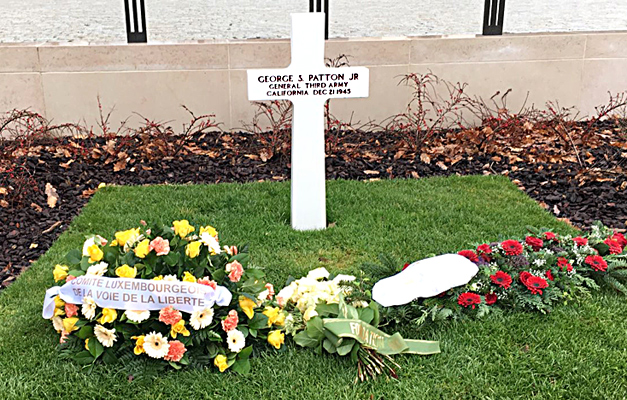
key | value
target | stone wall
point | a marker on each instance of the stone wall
(64, 81)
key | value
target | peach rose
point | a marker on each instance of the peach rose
(160, 245)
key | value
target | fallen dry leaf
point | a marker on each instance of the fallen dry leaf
(415, 175)
(4, 203)
(370, 172)
(120, 165)
(556, 210)
(424, 157)
(36, 207)
(53, 197)
(441, 165)
(87, 193)
(3, 190)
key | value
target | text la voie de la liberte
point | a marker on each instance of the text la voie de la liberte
(287, 85)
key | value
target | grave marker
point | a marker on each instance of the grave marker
(308, 83)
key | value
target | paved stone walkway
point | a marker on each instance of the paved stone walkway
(185, 20)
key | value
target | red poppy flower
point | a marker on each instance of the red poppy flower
(534, 242)
(512, 248)
(490, 299)
(597, 263)
(563, 263)
(549, 275)
(524, 276)
(405, 266)
(469, 254)
(468, 299)
(615, 247)
(535, 284)
(620, 238)
(580, 241)
(502, 279)
(549, 236)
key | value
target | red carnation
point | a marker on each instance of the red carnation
(549, 275)
(562, 262)
(490, 299)
(469, 254)
(405, 266)
(468, 299)
(620, 238)
(484, 250)
(512, 248)
(536, 284)
(524, 276)
(597, 263)
(501, 279)
(580, 241)
(534, 242)
(550, 236)
(615, 247)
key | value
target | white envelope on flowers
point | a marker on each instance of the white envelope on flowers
(424, 278)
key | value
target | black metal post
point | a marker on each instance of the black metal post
(135, 33)
(318, 8)
(493, 16)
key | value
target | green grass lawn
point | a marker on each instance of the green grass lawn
(578, 351)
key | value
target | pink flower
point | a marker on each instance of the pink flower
(176, 351)
(169, 315)
(69, 278)
(230, 322)
(207, 282)
(160, 245)
(270, 291)
(235, 271)
(71, 310)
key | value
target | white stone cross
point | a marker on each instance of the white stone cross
(308, 83)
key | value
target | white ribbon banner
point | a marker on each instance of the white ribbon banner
(137, 294)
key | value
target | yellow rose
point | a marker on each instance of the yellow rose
(108, 315)
(247, 306)
(95, 254)
(69, 324)
(143, 248)
(126, 272)
(58, 303)
(193, 249)
(183, 228)
(210, 230)
(158, 278)
(220, 362)
(87, 344)
(179, 327)
(60, 272)
(280, 319)
(276, 339)
(188, 277)
(113, 243)
(139, 344)
(122, 237)
(272, 314)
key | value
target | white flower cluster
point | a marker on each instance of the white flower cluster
(315, 288)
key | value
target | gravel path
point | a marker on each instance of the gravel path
(175, 20)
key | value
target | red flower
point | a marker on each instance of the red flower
(562, 262)
(469, 254)
(512, 248)
(550, 236)
(535, 243)
(536, 284)
(468, 299)
(502, 279)
(597, 263)
(615, 247)
(484, 250)
(524, 276)
(580, 241)
(549, 275)
(405, 266)
(620, 238)
(490, 299)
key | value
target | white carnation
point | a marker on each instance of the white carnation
(210, 242)
(97, 269)
(318, 273)
(89, 308)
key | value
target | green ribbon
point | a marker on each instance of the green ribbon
(380, 341)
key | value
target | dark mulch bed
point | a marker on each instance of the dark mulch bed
(560, 184)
